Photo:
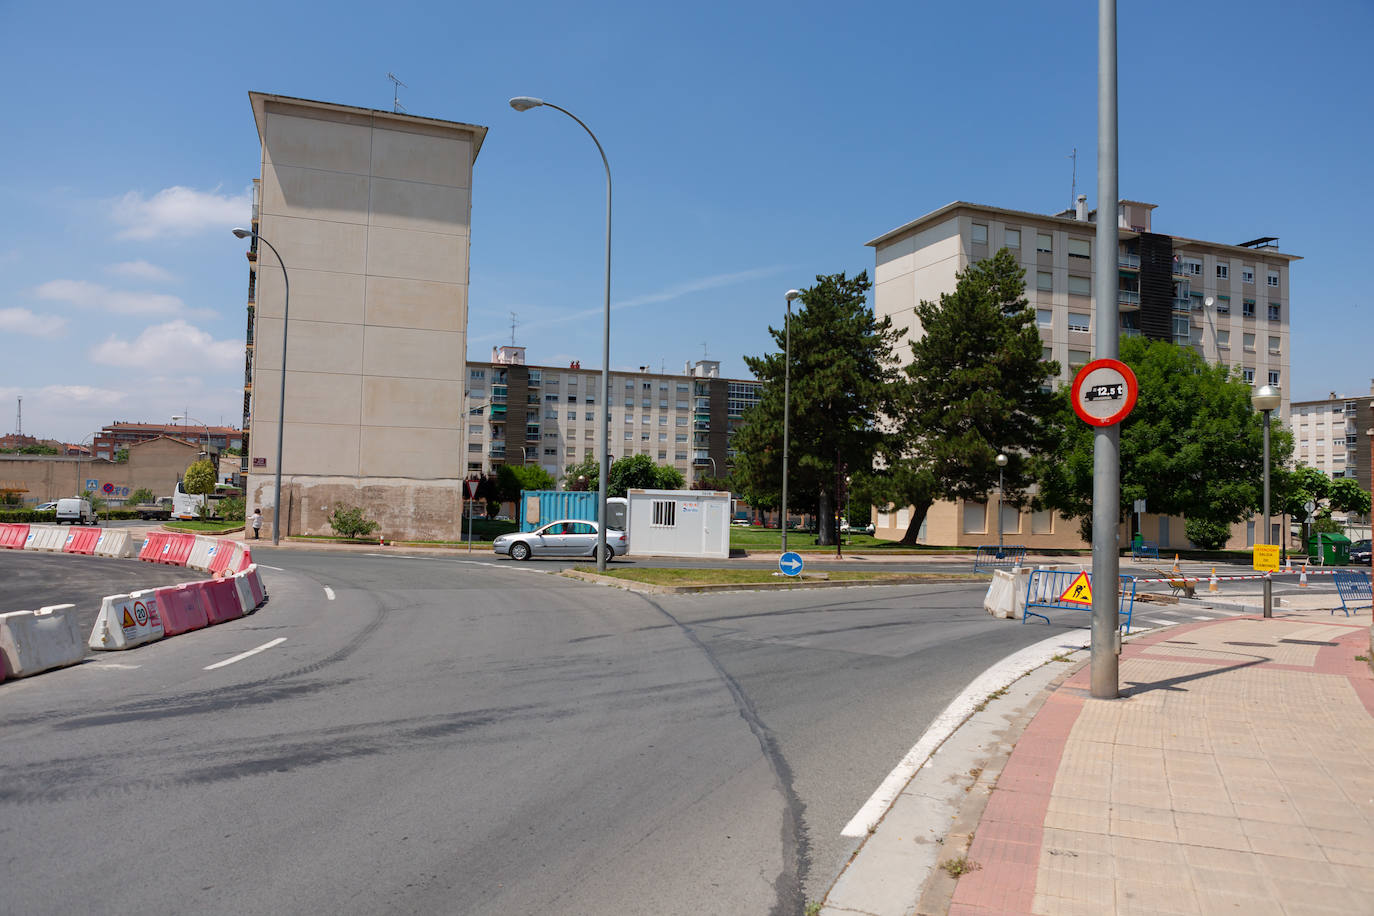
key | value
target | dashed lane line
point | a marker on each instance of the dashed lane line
(250, 653)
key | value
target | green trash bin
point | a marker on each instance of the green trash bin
(1328, 549)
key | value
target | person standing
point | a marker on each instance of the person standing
(257, 523)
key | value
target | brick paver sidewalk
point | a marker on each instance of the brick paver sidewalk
(1235, 775)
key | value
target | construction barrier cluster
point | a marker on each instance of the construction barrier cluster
(35, 641)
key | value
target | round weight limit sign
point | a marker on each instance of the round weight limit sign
(1104, 392)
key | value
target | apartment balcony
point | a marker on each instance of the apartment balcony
(1183, 306)
(701, 461)
(497, 453)
(1128, 261)
(1128, 298)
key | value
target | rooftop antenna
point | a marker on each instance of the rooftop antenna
(513, 323)
(396, 105)
(1073, 187)
(703, 350)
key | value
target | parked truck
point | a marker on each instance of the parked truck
(160, 509)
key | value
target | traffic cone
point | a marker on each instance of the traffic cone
(380, 541)
(1302, 580)
(1177, 571)
(1212, 585)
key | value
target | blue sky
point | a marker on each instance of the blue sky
(753, 146)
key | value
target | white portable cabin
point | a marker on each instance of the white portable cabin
(679, 523)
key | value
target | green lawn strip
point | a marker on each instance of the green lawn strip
(663, 576)
(205, 527)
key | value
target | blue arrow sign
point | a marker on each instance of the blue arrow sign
(790, 563)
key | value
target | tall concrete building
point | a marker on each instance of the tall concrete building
(546, 415)
(370, 211)
(1333, 435)
(1231, 303)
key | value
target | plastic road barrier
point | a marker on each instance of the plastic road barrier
(82, 541)
(245, 558)
(221, 600)
(254, 580)
(152, 546)
(201, 552)
(45, 537)
(219, 560)
(113, 543)
(13, 536)
(125, 621)
(182, 607)
(34, 641)
(244, 592)
(177, 550)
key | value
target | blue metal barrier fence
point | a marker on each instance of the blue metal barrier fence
(994, 557)
(1047, 587)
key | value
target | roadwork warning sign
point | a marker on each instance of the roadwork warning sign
(1080, 591)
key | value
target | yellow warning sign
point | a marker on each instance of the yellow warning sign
(1266, 557)
(128, 620)
(1080, 591)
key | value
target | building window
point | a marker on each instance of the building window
(477, 374)
(1080, 286)
(1077, 359)
(1078, 321)
(1223, 271)
(551, 452)
(629, 434)
(1249, 343)
(662, 454)
(662, 420)
(1275, 311)
(1044, 281)
(1273, 345)
(679, 456)
(979, 234)
(570, 452)
(474, 430)
(1046, 354)
(1247, 375)
(1044, 317)
(1044, 243)
(662, 437)
(1274, 279)
(474, 446)
(550, 435)
(587, 434)
(1081, 249)
(1181, 329)
(681, 421)
(1247, 308)
(551, 397)
(550, 415)
(1011, 238)
(680, 437)
(572, 399)
(1247, 275)
(1223, 340)
(1223, 305)
(1042, 522)
(975, 518)
(1274, 377)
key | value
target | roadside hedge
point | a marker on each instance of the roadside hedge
(33, 516)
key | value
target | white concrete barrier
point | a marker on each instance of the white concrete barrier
(245, 593)
(45, 537)
(126, 621)
(114, 543)
(204, 549)
(1006, 595)
(34, 641)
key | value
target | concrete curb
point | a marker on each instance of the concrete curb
(651, 589)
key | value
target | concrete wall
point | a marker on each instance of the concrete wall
(156, 464)
(370, 211)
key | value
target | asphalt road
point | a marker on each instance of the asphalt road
(471, 736)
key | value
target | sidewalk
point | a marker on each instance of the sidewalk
(1234, 775)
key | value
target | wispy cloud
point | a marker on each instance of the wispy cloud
(141, 270)
(174, 345)
(82, 394)
(23, 321)
(668, 294)
(179, 212)
(93, 295)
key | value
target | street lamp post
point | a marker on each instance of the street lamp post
(786, 403)
(525, 103)
(281, 411)
(1001, 464)
(184, 419)
(1265, 400)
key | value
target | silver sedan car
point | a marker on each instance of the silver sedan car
(564, 538)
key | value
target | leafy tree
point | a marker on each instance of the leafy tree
(707, 482)
(638, 472)
(121, 456)
(1206, 533)
(1346, 496)
(588, 468)
(200, 481)
(95, 499)
(1192, 445)
(975, 391)
(843, 377)
(349, 522)
(141, 495)
(512, 478)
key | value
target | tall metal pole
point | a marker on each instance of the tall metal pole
(1268, 582)
(1000, 497)
(1106, 440)
(524, 103)
(786, 406)
(281, 412)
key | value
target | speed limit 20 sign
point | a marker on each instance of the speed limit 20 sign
(1104, 392)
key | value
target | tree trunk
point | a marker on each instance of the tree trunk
(825, 520)
(918, 517)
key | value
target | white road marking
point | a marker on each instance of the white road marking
(1204, 618)
(960, 708)
(329, 593)
(112, 666)
(251, 652)
(265, 566)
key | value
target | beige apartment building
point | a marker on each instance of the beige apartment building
(547, 415)
(1332, 435)
(370, 211)
(1229, 302)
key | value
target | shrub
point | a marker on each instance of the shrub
(141, 495)
(1206, 533)
(232, 508)
(349, 522)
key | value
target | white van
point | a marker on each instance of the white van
(75, 512)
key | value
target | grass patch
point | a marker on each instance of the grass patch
(813, 908)
(205, 527)
(770, 540)
(996, 694)
(960, 866)
(660, 576)
(1059, 657)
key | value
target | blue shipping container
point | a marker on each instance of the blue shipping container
(539, 507)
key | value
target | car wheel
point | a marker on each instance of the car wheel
(610, 553)
(519, 551)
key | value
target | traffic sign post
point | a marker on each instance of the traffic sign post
(790, 563)
(1104, 392)
(471, 487)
